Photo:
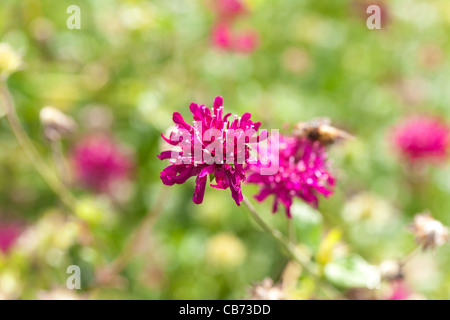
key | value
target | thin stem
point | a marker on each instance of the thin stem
(284, 243)
(410, 255)
(291, 231)
(30, 151)
(60, 163)
(136, 239)
(292, 251)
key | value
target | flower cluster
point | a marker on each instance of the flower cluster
(302, 173)
(223, 35)
(422, 138)
(203, 157)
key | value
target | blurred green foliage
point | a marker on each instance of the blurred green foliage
(144, 60)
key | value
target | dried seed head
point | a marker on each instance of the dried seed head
(429, 232)
(56, 124)
(10, 61)
(391, 270)
(267, 290)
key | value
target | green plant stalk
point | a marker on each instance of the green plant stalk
(290, 248)
(283, 242)
(140, 234)
(66, 197)
(60, 163)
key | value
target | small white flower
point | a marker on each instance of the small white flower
(267, 290)
(391, 270)
(56, 123)
(10, 61)
(429, 232)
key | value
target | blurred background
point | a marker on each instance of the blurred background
(133, 63)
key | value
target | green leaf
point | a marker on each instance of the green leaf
(349, 272)
(308, 225)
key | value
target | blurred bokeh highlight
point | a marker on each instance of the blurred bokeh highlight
(133, 63)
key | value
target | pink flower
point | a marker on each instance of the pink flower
(302, 173)
(8, 234)
(222, 37)
(230, 8)
(399, 291)
(99, 162)
(186, 164)
(361, 6)
(420, 138)
(246, 42)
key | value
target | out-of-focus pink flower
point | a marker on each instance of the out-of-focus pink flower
(230, 9)
(99, 161)
(225, 38)
(422, 138)
(360, 6)
(9, 232)
(246, 42)
(222, 37)
(184, 164)
(303, 173)
(222, 34)
(399, 291)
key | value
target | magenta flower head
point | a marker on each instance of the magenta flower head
(99, 162)
(230, 9)
(302, 173)
(246, 42)
(213, 146)
(9, 232)
(422, 138)
(225, 38)
(222, 36)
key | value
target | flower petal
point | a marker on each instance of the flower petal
(199, 192)
(178, 119)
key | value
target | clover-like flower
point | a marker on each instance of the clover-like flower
(422, 138)
(99, 162)
(212, 146)
(303, 173)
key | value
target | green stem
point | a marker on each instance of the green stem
(60, 163)
(410, 255)
(30, 151)
(291, 231)
(139, 235)
(294, 253)
(290, 248)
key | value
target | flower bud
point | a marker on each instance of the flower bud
(10, 61)
(266, 290)
(391, 270)
(429, 232)
(56, 124)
